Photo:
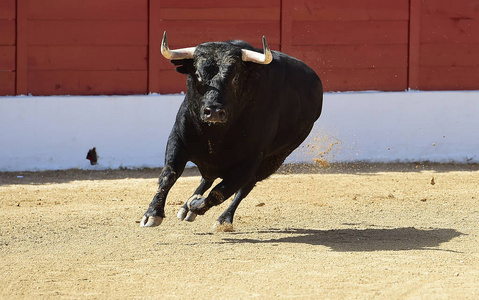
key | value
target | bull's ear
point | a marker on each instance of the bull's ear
(184, 66)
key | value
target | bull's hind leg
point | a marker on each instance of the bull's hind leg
(268, 166)
(221, 192)
(225, 221)
(184, 214)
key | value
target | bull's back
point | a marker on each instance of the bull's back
(299, 99)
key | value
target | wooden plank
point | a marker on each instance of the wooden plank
(450, 9)
(350, 10)
(445, 29)
(7, 58)
(192, 33)
(217, 14)
(449, 55)
(219, 3)
(7, 28)
(385, 79)
(87, 58)
(352, 56)
(7, 83)
(88, 32)
(7, 9)
(87, 82)
(414, 44)
(172, 82)
(354, 32)
(154, 44)
(451, 78)
(89, 10)
(22, 35)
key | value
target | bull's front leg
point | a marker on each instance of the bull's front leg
(175, 163)
(156, 210)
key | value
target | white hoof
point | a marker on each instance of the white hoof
(182, 214)
(150, 221)
(190, 217)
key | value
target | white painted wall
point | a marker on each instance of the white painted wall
(398, 127)
(51, 133)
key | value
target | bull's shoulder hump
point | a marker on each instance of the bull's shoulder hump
(292, 64)
(243, 45)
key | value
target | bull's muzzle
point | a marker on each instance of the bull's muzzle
(214, 115)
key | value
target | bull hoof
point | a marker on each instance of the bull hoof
(223, 227)
(197, 204)
(182, 213)
(185, 215)
(190, 217)
(151, 221)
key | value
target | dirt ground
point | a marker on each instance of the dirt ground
(337, 232)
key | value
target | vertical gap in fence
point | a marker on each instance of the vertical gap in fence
(414, 43)
(21, 80)
(154, 44)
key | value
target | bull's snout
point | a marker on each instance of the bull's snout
(214, 115)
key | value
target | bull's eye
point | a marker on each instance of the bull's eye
(235, 80)
(235, 83)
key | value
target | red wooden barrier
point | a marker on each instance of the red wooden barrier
(89, 47)
(352, 45)
(449, 45)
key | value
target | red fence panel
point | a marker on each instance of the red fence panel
(190, 23)
(352, 45)
(7, 47)
(87, 47)
(449, 45)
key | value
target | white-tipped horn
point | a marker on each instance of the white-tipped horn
(184, 53)
(256, 57)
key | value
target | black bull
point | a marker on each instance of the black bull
(244, 112)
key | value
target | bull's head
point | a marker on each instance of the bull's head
(216, 74)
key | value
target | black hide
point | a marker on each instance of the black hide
(238, 122)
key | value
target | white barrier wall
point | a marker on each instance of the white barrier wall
(51, 133)
(397, 127)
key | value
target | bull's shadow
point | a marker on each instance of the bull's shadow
(351, 240)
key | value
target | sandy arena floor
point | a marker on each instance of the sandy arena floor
(337, 232)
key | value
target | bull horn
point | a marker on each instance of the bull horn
(256, 57)
(184, 53)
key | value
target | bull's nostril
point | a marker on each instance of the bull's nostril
(222, 114)
(214, 115)
(207, 112)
